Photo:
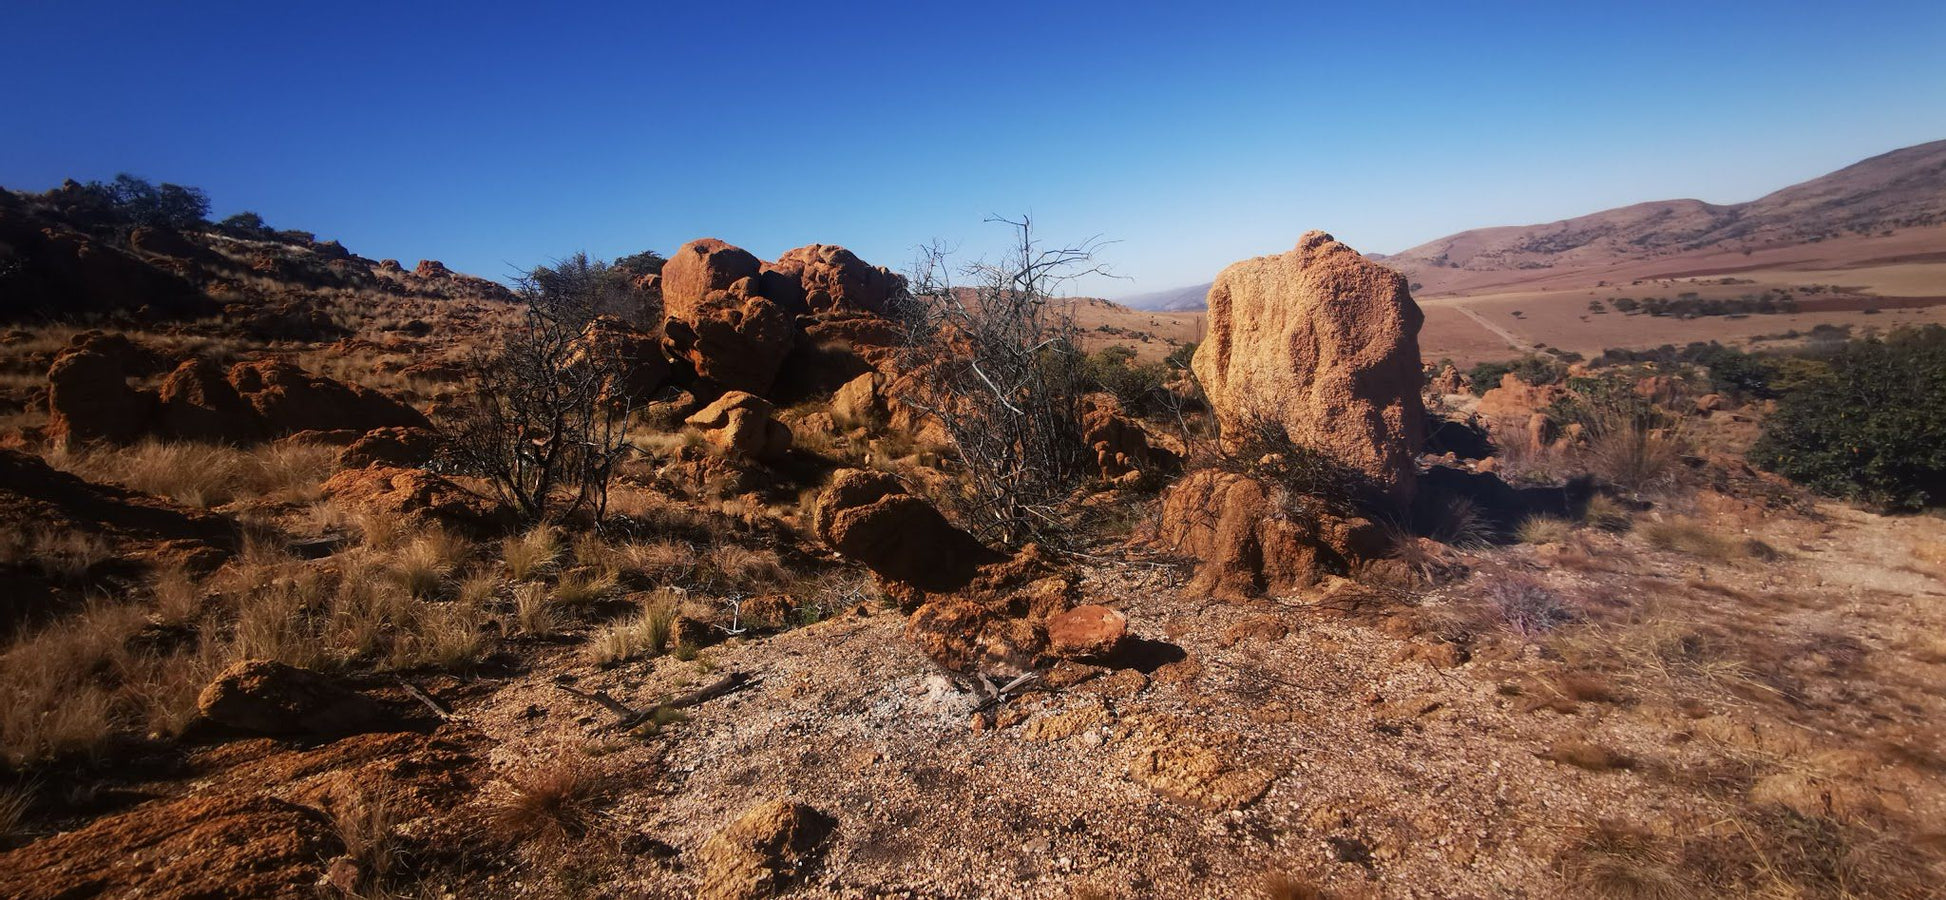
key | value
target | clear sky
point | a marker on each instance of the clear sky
(494, 135)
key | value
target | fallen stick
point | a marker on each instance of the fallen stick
(420, 695)
(628, 717)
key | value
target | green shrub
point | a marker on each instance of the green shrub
(1533, 369)
(1871, 426)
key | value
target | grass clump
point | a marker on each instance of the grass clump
(1543, 530)
(532, 554)
(1696, 538)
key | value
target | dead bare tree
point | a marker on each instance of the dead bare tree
(997, 364)
(546, 422)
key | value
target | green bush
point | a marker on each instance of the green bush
(1136, 385)
(1533, 369)
(1871, 426)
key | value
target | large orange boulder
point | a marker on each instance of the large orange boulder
(718, 323)
(288, 399)
(1122, 448)
(270, 697)
(869, 517)
(1324, 343)
(1251, 536)
(198, 403)
(1514, 411)
(743, 426)
(830, 278)
(638, 353)
(88, 394)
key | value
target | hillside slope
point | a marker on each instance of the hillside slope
(1892, 192)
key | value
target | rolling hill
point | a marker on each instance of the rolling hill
(1824, 221)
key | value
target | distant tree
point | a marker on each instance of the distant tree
(647, 262)
(136, 201)
(245, 224)
(581, 287)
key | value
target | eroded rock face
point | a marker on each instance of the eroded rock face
(1248, 539)
(829, 278)
(644, 369)
(718, 321)
(269, 697)
(764, 852)
(198, 403)
(88, 394)
(288, 400)
(398, 447)
(743, 426)
(869, 517)
(1325, 343)
(1122, 448)
(417, 498)
(1512, 412)
(201, 847)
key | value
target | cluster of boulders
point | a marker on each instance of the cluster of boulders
(972, 608)
(89, 398)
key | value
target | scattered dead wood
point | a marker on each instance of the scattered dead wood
(628, 717)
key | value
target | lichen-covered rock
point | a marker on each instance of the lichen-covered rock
(1121, 447)
(829, 278)
(764, 852)
(1323, 342)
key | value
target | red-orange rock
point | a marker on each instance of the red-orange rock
(1121, 446)
(1249, 538)
(210, 848)
(718, 323)
(88, 394)
(743, 426)
(270, 697)
(764, 852)
(869, 517)
(831, 278)
(1089, 630)
(198, 403)
(418, 499)
(1325, 343)
(399, 447)
(288, 399)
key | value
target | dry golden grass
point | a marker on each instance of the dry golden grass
(367, 825)
(1606, 513)
(645, 634)
(205, 475)
(736, 567)
(531, 554)
(1613, 861)
(661, 562)
(15, 802)
(1543, 530)
(534, 612)
(546, 805)
(423, 564)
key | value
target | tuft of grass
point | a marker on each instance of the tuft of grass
(534, 612)
(647, 634)
(1526, 606)
(581, 587)
(15, 802)
(421, 566)
(367, 825)
(1458, 522)
(529, 555)
(547, 805)
(1606, 513)
(733, 566)
(1543, 530)
(1613, 861)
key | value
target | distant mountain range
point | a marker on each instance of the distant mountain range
(1893, 191)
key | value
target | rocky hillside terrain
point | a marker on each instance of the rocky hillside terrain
(716, 576)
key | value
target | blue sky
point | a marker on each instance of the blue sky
(499, 135)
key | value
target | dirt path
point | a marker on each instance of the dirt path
(1513, 340)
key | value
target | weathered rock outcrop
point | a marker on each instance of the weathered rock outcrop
(418, 499)
(1122, 448)
(644, 369)
(1513, 412)
(399, 447)
(1324, 342)
(270, 697)
(972, 607)
(90, 399)
(1249, 537)
(230, 846)
(764, 852)
(824, 278)
(743, 426)
(869, 517)
(718, 322)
